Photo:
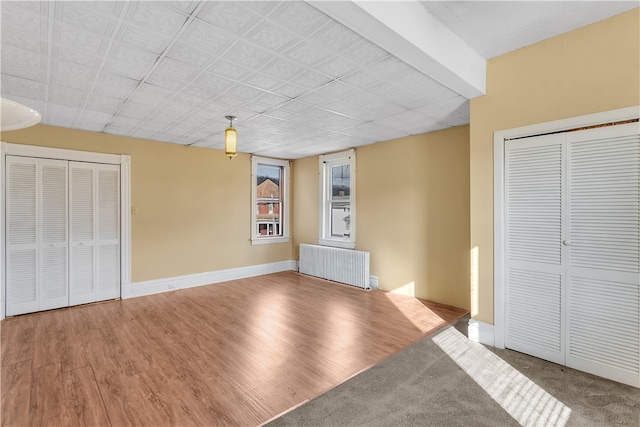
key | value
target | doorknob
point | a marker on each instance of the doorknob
(566, 242)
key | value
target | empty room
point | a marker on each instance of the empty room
(309, 212)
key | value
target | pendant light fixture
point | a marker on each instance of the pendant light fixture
(230, 139)
(15, 116)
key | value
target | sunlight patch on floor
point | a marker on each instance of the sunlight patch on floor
(523, 399)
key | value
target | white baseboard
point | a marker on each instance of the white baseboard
(481, 332)
(156, 286)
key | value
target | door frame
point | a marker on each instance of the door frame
(499, 243)
(122, 160)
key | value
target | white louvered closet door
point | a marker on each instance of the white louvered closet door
(37, 242)
(95, 232)
(534, 268)
(603, 263)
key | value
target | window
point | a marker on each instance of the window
(337, 203)
(270, 200)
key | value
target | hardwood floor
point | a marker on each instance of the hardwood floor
(233, 353)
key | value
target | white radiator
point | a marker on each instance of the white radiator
(340, 265)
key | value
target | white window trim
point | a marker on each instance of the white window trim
(326, 161)
(284, 214)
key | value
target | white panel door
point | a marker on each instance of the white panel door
(37, 242)
(94, 232)
(603, 263)
(534, 253)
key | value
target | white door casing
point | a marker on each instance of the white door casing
(106, 161)
(573, 249)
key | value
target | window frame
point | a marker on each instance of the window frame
(326, 162)
(256, 239)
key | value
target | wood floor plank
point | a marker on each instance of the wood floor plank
(16, 393)
(83, 405)
(47, 400)
(233, 353)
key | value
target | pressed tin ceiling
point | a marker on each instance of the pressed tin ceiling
(301, 82)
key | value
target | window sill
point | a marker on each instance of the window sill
(337, 243)
(269, 240)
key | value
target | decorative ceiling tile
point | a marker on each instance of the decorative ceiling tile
(229, 69)
(186, 53)
(189, 100)
(272, 99)
(125, 122)
(313, 99)
(76, 56)
(139, 37)
(337, 67)
(184, 6)
(132, 56)
(17, 61)
(17, 19)
(126, 70)
(104, 103)
(136, 111)
(335, 36)
(307, 54)
(336, 89)
(272, 37)
(311, 80)
(112, 8)
(76, 38)
(165, 82)
(360, 79)
(388, 68)
(337, 106)
(230, 101)
(176, 70)
(78, 14)
(23, 41)
(69, 81)
(207, 38)
(282, 69)
(201, 92)
(22, 87)
(66, 96)
(289, 90)
(261, 81)
(299, 16)
(71, 70)
(96, 117)
(253, 108)
(365, 53)
(245, 92)
(152, 95)
(155, 17)
(247, 55)
(114, 85)
(229, 15)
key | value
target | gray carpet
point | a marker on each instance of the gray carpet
(422, 385)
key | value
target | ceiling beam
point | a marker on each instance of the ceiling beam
(409, 32)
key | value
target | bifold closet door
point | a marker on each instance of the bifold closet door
(573, 249)
(603, 262)
(37, 234)
(534, 251)
(94, 232)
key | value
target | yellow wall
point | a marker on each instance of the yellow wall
(588, 70)
(412, 207)
(193, 204)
